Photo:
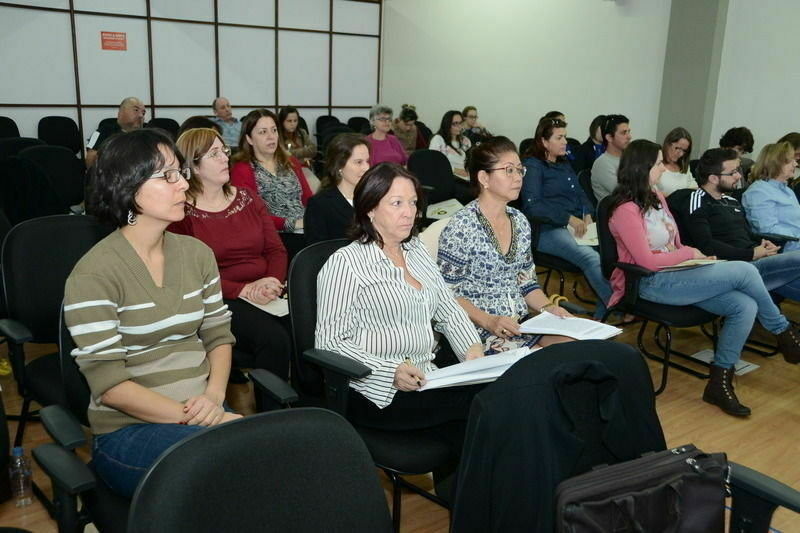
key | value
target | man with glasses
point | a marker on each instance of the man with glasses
(616, 132)
(130, 116)
(716, 225)
(223, 116)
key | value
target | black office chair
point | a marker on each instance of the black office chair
(329, 133)
(302, 124)
(397, 453)
(585, 180)
(64, 171)
(169, 125)
(600, 410)
(8, 128)
(666, 316)
(323, 122)
(425, 131)
(26, 192)
(434, 172)
(359, 125)
(106, 122)
(61, 131)
(12, 146)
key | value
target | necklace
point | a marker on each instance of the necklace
(487, 227)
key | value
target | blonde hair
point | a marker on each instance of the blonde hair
(770, 161)
(194, 144)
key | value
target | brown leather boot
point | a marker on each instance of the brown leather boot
(789, 344)
(719, 392)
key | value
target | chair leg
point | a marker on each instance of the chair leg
(665, 368)
(397, 493)
(23, 418)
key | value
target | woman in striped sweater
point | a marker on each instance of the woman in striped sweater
(145, 310)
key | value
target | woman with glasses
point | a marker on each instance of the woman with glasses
(384, 147)
(236, 225)
(552, 194)
(473, 130)
(295, 139)
(451, 142)
(677, 150)
(145, 310)
(485, 253)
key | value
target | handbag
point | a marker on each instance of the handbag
(677, 490)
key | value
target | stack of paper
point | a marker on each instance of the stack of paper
(691, 263)
(482, 370)
(277, 307)
(578, 328)
(589, 238)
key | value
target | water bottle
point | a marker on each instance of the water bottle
(20, 473)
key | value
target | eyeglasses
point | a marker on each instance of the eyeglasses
(173, 175)
(383, 119)
(510, 170)
(454, 123)
(215, 153)
(737, 170)
(472, 116)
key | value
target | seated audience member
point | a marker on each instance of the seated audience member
(473, 130)
(770, 204)
(793, 139)
(295, 139)
(384, 147)
(485, 253)
(266, 168)
(717, 226)
(616, 136)
(144, 308)
(405, 129)
(376, 300)
(646, 234)
(130, 116)
(551, 190)
(199, 121)
(593, 148)
(741, 140)
(677, 150)
(329, 213)
(450, 141)
(236, 225)
(223, 117)
(572, 144)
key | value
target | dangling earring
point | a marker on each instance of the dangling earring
(339, 171)
(131, 218)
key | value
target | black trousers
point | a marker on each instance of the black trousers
(265, 338)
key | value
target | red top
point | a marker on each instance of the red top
(243, 238)
(242, 175)
(628, 227)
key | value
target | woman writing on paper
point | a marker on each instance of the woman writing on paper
(485, 253)
(646, 235)
(375, 303)
(236, 224)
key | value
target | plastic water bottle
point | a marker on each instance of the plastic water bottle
(20, 473)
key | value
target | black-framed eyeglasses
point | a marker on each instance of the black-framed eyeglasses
(511, 170)
(215, 153)
(737, 170)
(173, 175)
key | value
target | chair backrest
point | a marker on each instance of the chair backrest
(26, 192)
(302, 289)
(433, 169)
(324, 121)
(60, 131)
(425, 131)
(75, 388)
(330, 132)
(14, 145)
(106, 122)
(585, 180)
(169, 125)
(303, 469)
(430, 237)
(524, 146)
(359, 125)
(8, 128)
(608, 245)
(302, 124)
(37, 257)
(65, 172)
(678, 203)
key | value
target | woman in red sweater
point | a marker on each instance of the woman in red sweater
(266, 168)
(646, 235)
(237, 226)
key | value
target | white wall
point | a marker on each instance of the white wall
(759, 78)
(517, 59)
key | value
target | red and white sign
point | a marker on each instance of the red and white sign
(113, 40)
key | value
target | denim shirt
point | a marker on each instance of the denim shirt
(772, 207)
(230, 130)
(552, 190)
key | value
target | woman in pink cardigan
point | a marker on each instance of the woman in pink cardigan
(646, 235)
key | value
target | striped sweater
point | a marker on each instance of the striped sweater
(125, 327)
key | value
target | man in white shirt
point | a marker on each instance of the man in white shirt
(616, 137)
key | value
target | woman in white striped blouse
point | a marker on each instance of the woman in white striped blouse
(377, 298)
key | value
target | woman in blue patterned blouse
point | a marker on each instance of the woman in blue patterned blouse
(485, 253)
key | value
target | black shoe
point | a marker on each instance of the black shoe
(719, 392)
(789, 344)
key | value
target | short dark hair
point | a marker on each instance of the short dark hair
(485, 156)
(610, 125)
(198, 121)
(373, 186)
(711, 163)
(739, 136)
(634, 177)
(792, 138)
(544, 130)
(124, 163)
(339, 150)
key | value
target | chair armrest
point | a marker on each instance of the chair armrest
(64, 468)
(428, 188)
(62, 426)
(636, 270)
(574, 308)
(746, 482)
(776, 238)
(340, 364)
(633, 275)
(14, 331)
(273, 386)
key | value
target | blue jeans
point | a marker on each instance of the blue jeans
(781, 274)
(559, 242)
(123, 456)
(733, 290)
